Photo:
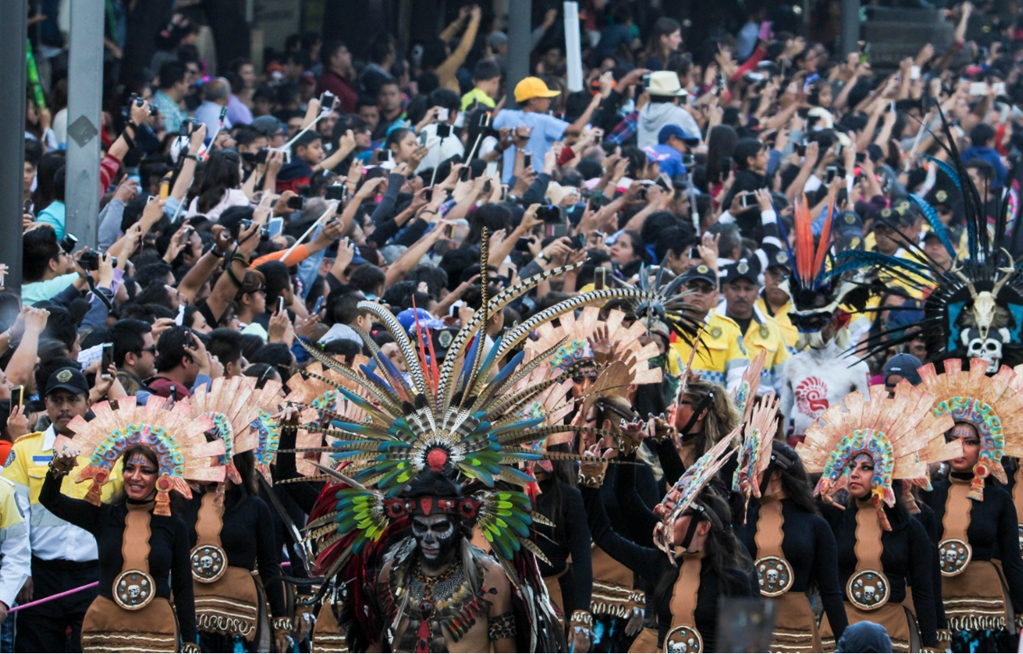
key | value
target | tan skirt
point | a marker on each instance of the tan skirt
(327, 636)
(230, 605)
(795, 628)
(109, 628)
(646, 642)
(976, 599)
(898, 621)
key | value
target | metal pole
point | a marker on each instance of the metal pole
(519, 39)
(85, 95)
(850, 26)
(13, 30)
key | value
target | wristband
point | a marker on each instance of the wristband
(194, 157)
(241, 258)
(232, 277)
(589, 481)
(213, 250)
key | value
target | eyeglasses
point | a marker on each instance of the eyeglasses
(151, 349)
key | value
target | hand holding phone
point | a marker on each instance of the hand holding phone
(106, 360)
(280, 304)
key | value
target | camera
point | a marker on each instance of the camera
(799, 148)
(68, 243)
(443, 130)
(747, 200)
(337, 192)
(831, 172)
(689, 160)
(89, 259)
(264, 233)
(551, 214)
(139, 102)
(262, 155)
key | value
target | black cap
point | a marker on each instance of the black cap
(901, 215)
(848, 221)
(701, 271)
(850, 240)
(780, 259)
(742, 269)
(67, 379)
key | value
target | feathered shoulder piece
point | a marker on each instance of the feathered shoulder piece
(683, 494)
(754, 454)
(901, 435)
(992, 406)
(599, 341)
(662, 299)
(177, 439)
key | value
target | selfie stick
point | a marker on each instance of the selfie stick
(323, 112)
(310, 230)
(692, 204)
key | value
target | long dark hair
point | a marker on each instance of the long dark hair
(563, 475)
(794, 480)
(121, 496)
(245, 462)
(221, 175)
(722, 552)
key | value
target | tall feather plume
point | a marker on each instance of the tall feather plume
(804, 243)
(825, 242)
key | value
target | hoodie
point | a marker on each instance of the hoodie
(656, 115)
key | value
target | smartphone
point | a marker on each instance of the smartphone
(726, 167)
(747, 200)
(914, 73)
(527, 159)
(600, 278)
(275, 226)
(550, 214)
(296, 203)
(646, 81)
(18, 396)
(383, 155)
(428, 196)
(831, 172)
(106, 359)
(485, 119)
(422, 138)
(999, 88)
(319, 305)
(337, 192)
(504, 193)
(280, 304)
(491, 170)
(463, 174)
(487, 187)
(442, 115)
(522, 245)
(327, 100)
(262, 155)
(978, 88)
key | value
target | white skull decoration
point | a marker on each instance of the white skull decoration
(679, 647)
(988, 349)
(206, 562)
(772, 577)
(868, 593)
(951, 555)
(134, 591)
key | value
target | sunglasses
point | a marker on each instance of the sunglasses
(151, 349)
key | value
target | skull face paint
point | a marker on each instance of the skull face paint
(435, 536)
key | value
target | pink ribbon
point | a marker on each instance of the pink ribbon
(54, 597)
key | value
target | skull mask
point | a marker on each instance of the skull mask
(988, 349)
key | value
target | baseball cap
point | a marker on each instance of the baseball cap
(674, 130)
(742, 269)
(903, 365)
(497, 39)
(780, 259)
(408, 318)
(267, 126)
(533, 87)
(665, 83)
(701, 272)
(848, 221)
(67, 379)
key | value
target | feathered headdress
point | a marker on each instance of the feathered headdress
(973, 309)
(465, 418)
(178, 440)
(901, 435)
(816, 292)
(745, 394)
(233, 405)
(992, 405)
(754, 454)
(663, 300)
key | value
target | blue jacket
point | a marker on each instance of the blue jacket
(989, 155)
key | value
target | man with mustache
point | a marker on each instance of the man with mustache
(63, 556)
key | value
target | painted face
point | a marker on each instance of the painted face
(966, 433)
(861, 472)
(139, 477)
(667, 504)
(435, 536)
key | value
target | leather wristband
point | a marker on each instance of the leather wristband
(589, 481)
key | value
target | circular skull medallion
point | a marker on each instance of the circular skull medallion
(134, 589)
(953, 556)
(868, 590)
(683, 640)
(774, 574)
(208, 563)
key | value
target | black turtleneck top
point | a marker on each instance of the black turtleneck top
(169, 564)
(809, 547)
(907, 556)
(651, 563)
(993, 531)
(577, 582)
